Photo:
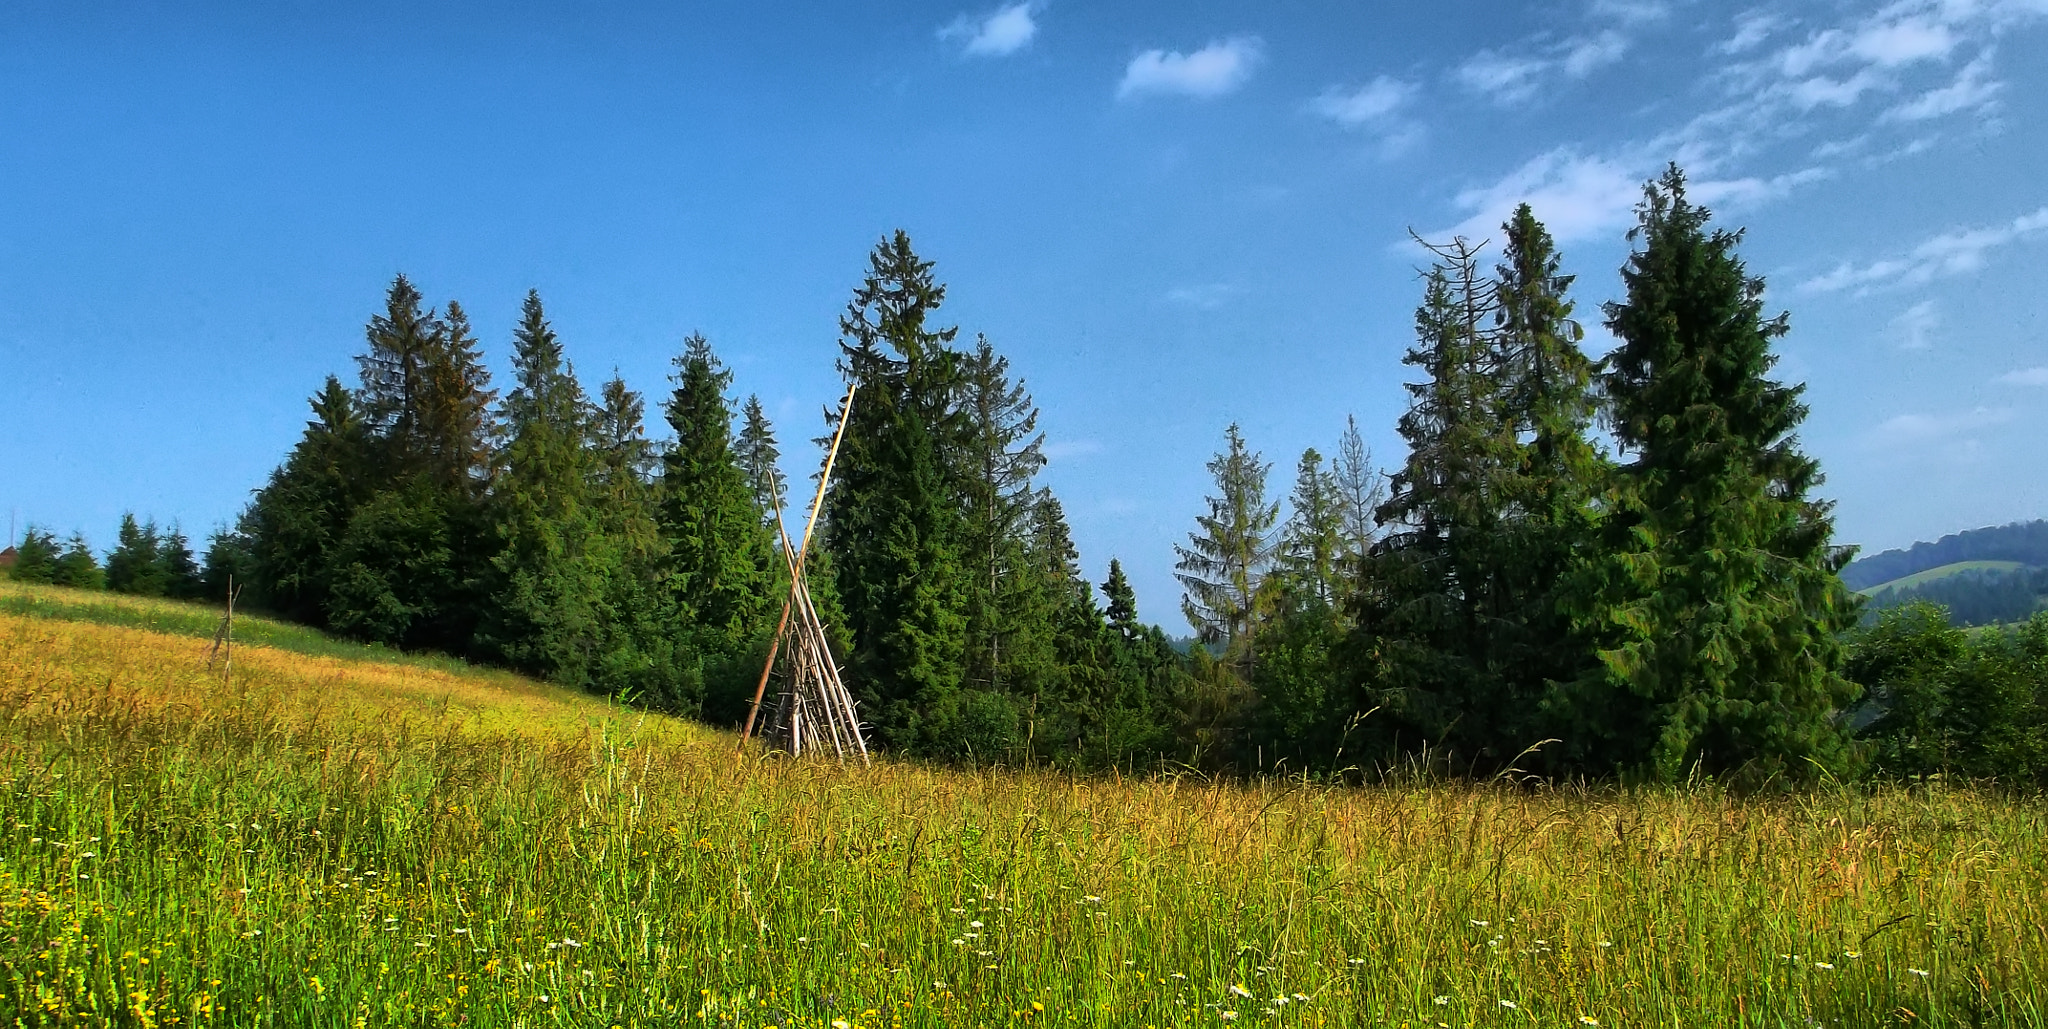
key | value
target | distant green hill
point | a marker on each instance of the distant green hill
(1922, 578)
(2024, 543)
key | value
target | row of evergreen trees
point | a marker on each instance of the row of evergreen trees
(1611, 567)
(546, 531)
(146, 561)
(1618, 562)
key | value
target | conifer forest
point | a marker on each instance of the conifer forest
(1609, 566)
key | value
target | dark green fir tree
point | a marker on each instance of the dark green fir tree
(1716, 603)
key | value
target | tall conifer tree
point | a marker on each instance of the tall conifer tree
(757, 451)
(1429, 598)
(894, 523)
(720, 556)
(1223, 567)
(1361, 489)
(999, 452)
(299, 517)
(1313, 541)
(1717, 601)
(548, 595)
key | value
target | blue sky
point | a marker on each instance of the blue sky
(1170, 216)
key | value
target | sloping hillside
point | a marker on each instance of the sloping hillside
(344, 839)
(2024, 543)
(1922, 578)
(157, 652)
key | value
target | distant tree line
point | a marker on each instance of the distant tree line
(2023, 542)
(1613, 567)
(1983, 596)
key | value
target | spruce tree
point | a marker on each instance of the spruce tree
(1314, 539)
(455, 405)
(893, 525)
(35, 560)
(641, 653)
(76, 567)
(546, 611)
(404, 344)
(1120, 602)
(997, 455)
(757, 452)
(300, 516)
(181, 572)
(1552, 497)
(720, 555)
(1429, 599)
(1717, 603)
(1223, 568)
(1361, 489)
(135, 565)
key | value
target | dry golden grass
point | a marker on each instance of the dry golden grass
(332, 842)
(72, 658)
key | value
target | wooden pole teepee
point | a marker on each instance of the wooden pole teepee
(814, 710)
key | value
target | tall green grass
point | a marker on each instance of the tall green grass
(167, 859)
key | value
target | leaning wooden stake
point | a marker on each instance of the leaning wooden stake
(225, 634)
(796, 576)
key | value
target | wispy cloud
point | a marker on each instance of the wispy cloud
(1503, 78)
(1207, 297)
(1057, 450)
(1778, 81)
(1582, 57)
(1216, 69)
(1752, 190)
(1578, 197)
(1751, 29)
(2035, 376)
(1005, 30)
(1630, 12)
(1973, 90)
(1370, 104)
(1951, 253)
(1920, 429)
(1512, 74)
(1378, 107)
(1914, 327)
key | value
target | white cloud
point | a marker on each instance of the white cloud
(1005, 30)
(1973, 89)
(1746, 192)
(1630, 12)
(1203, 298)
(1951, 253)
(1888, 44)
(1576, 196)
(1058, 450)
(1374, 103)
(1902, 54)
(1751, 29)
(1507, 80)
(1914, 327)
(2036, 376)
(1216, 69)
(1510, 75)
(1807, 94)
(1375, 107)
(1910, 429)
(1582, 57)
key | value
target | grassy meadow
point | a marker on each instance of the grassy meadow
(344, 837)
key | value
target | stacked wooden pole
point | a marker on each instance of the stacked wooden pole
(814, 710)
